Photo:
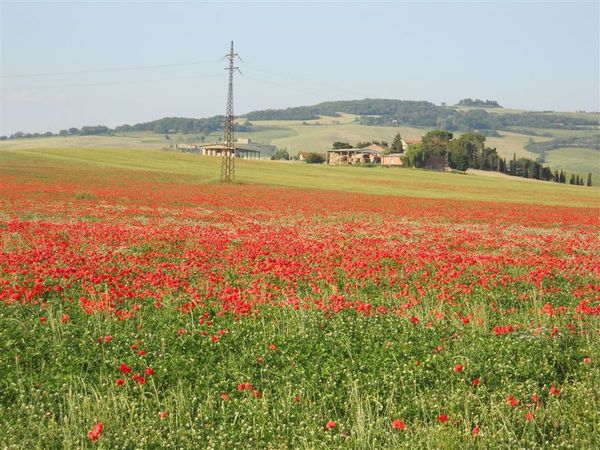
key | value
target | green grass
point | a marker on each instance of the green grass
(575, 159)
(191, 168)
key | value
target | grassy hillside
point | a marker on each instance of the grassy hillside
(188, 168)
(317, 135)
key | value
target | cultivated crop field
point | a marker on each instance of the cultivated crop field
(142, 305)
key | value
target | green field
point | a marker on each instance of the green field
(190, 168)
(575, 159)
(318, 136)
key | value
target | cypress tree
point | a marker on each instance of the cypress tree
(589, 180)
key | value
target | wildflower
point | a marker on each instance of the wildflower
(397, 424)
(475, 382)
(535, 398)
(475, 430)
(42, 319)
(442, 418)
(141, 380)
(297, 399)
(225, 397)
(587, 360)
(96, 431)
(148, 371)
(529, 416)
(64, 318)
(256, 393)
(124, 368)
(414, 319)
(162, 415)
(141, 353)
(458, 368)
(120, 381)
(554, 391)
(260, 360)
(215, 339)
(330, 424)
(272, 347)
(512, 401)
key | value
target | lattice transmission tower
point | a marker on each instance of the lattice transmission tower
(228, 163)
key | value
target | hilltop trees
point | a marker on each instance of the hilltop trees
(338, 144)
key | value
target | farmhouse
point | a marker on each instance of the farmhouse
(353, 156)
(220, 149)
(392, 159)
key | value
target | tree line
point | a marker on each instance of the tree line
(163, 126)
(438, 147)
(428, 115)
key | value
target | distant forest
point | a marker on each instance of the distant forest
(427, 115)
(479, 103)
(421, 114)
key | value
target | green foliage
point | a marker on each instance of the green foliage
(315, 158)
(338, 145)
(415, 156)
(479, 103)
(397, 143)
(280, 153)
(436, 142)
(94, 130)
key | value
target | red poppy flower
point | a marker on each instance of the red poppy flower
(554, 391)
(225, 397)
(214, 338)
(442, 418)
(330, 425)
(96, 431)
(476, 382)
(458, 368)
(475, 430)
(162, 415)
(529, 416)
(148, 371)
(124, 368)
(397, 424)
(64, 318)
(587, 360)
(512, 401)
(120, 381)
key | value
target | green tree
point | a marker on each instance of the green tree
(280, 153)
(415, 156)
(589, 180)
(436, 141)
(397, 144)
(337, 145)
(315, 158)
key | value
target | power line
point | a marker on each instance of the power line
(108, 83)
(113, 69)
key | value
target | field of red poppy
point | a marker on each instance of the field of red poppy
(140, 312)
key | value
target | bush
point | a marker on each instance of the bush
(315, 158)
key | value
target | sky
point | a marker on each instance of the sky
(72, 64)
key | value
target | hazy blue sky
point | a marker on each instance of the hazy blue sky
(533, 55)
